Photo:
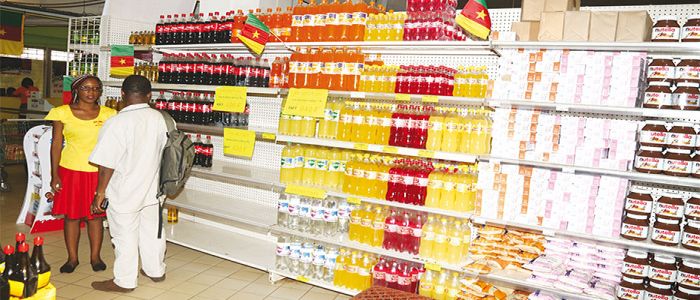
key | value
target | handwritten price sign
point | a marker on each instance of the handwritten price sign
(305, 102)
(230, 98)
(239, 142)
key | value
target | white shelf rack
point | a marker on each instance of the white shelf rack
(225, 207)
(262, 133)
(519, 279)
(196, 87)
(318, 283)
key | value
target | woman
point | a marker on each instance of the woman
(23, 92)
(73, 178)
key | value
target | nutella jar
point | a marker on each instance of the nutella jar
(686, 96)
(658, 291)
(666, 232)
(649, 160)
(639, 201)
(636, 264)
(677, 162)
(663, 269)
(689, 274)
(666, 29)
(658, 95)
(695, 168)
(688, 70)
(630, 289)
(669, 206)
(692, 207)
(653, 134)
(691, 30)
(635, 227)
(691, 236)
(686, 294)
(682, 136)
(661, 68)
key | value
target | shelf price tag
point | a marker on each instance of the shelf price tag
(269, 136)
(354, 200)
(230, 98)
(430, 99)
(402, 97)
(302, 278)
(390, 149)
(239, 142)
(306, 102)
(305, 191)
(361, 146)
(433, 267)
(426, 153)
(360, 95)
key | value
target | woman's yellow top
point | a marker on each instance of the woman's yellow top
(80, 136)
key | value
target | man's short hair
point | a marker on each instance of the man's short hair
(136, 84)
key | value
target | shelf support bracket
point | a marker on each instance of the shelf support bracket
(493, 49)
(274, 277)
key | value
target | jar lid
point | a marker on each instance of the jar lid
(639, 190)
(666, 259)
(661, 57)
(655, 122)
(659, 83)
(693, 17)
(691, 263)
(682, 124)
(687, 84)
(688, 291)
(660, 286)
(647, 148)
(667, 18)
(679, 151)
(637, 254)
(632, 280)
(637, 217)
(667, 221)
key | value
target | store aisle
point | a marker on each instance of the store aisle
(190, 275)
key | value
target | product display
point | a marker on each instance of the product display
(672, 83)
(142, 38)
(497, 249)
(22, 275)
(196, 108)
(206, 69)
(668, 148)
(653, 276)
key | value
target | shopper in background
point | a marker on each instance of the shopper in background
(23, 92)
(128, 154)
(73, 178)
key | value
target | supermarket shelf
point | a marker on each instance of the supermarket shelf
(411, 97)
(342, 241)
(519, 279)
(318, 283)
(649, 47)
(444, 212)
(223, 243)
(631, 175)
(262, 133)
(195, 87)
(460, 157)
(600, 109)
(238, 210)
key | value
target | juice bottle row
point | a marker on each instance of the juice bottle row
(385, 26)
(203, 151)
(212, 69)
(397, 274)
(326, 68)
(196, 108)
(330, 20)
(469, 81)
(148, 70)
(440, 285)
(142, 38)
(307, 258)
(328, 217)
(22, 275)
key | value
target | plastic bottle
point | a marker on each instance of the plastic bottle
(366, 232)
(379, 273)
(355, 229)
(306, 259)
(391, 228)
(416, 232)
(318, 262)
(340, 277)
(283, 251)
(352, 269)
(454, 248)
(344, 212)
(448, 192)
(440, 287)
(392, 275)
(309, 171)
(295, 255)
(24, 274)
(378, 228)
(283, 210)
(403, 235)
(322, 158)
(316, 217)
(365, 272)
(330, 217)
(427, 284)
(297, 21)
(294, 219)
(441, 241)
(428, 238)
(453, 286)
(332, 28)
(304, 214)
(329, 266)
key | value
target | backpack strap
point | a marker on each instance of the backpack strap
(170, 124)
(169, 121)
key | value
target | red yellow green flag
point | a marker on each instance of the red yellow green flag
(67, 96)
(475, 18)
(122, 61)
(254, 34)
(11, 33)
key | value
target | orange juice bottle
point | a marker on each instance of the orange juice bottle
(320, 31)
(432, 196)
(345, 122)
(321, 173)
(309, 171)
(314, 73)
(308, 33)
(370, 28)
(359, 19)
(382, 181)
(325, 68)
(450, 135)
(448, 192)
(358, 176)
(384, 125)
(297, 21)
(373, 124)
(435, 130)
(345, 20)
(332, 21)
(362, 85)
(357, 60)
(359, 124)
(294, 68)
(378, 227)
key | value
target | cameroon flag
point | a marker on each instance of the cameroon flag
(67, 95)
(122, 61)
(254, 34)
(475, 18)
(11, 33)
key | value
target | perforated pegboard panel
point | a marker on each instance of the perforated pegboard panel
(264, 111)
(266, 154)
(263, 197)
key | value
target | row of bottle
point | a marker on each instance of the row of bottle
(85, 31)
(328, 217)
(196, 108)
(332, 21)
(440, 285)
(142, 38)
(464, 82)
(196, 29)
(212, 69)
(83, 63)
(22, 276)
(397, 274)
(203, 151)
(115, 103)
(326, 68)
(306, 258)
(385, 27)
(432, 26)
(148, 70)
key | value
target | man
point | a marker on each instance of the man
(24, 92)
(128, 154)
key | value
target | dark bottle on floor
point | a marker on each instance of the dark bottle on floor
(8, 267)
(43, 269)
(23, 281)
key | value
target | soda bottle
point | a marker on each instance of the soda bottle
(403, 236)
(306, 259)
(378, 227)
(330, 217)
(427, 241)
(364, 272)
(416, 273)
(295, 255)
(293, 220)
(9, 262)
(355, 229)
(19, 239)
(352, 269)
(404, 281)
(340, 277)
(24, 278)
(344, 212)
(392, 275)
(287, 164)
(318, 262)
(448, 192)
(283, 210)
(316, 217)
(283, 251)
(276, 73)
(391, 228)
(427, 284)
(453, 286)
(329, 266)
(198, 155)
(441, 241)
(38, 261)
(416, 231)
(379, 273)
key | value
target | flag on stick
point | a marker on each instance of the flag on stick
(254, 34)
(11, 33)
(475, 19)
(122, 61)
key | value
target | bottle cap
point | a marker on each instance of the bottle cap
(38, 241)
(23, 248)
(20, 237)
(8, 250)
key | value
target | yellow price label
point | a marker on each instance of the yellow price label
(360, 146)
(391, 149)
(269, 136)
(354, 200)
(426, 153)
(433, 267)
(230, 98)
(305, 191)
(302, 278)
(306, 102)
(430, 99)
(402, 97)
(239, 142)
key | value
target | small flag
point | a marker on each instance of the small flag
(122, 61)
(254, 34)
(67, 82)
(11, 33)
(475, 18)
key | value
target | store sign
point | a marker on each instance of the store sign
(306, 102)
(239, 142)
(230, 98)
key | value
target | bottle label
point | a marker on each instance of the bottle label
(421, 181)
(435, 183)
(440, 238)
(391, 278)
(648, 163)
(299, 162)
(297, 20)
(359, 173)
(385, 122)
(43, 279)
(309, 20)
(359, 120)
(416, 232)
(633, 269)
(690, 32)
(666, 236)
(624, 293)
(322, 165)
(429, 236)
(343, 211)
(681, 139)
(359, 18)
(304, 210)
(636, 205)
(310, 163)
(346, 118)
(306, 256)
(448, 185)
(320, 20)
(379, 275)
(691, 240)
(655, 296)
(661, 72)
(283, 206)
(677, 166)
(398, 123)
(653, 137)
(316, 213)
(351, 268)
(662, 275)
(404, 230)
(692, 210)
(462, 187)
(355, 220)
(669, 210)
(366, 223)
(665, 33)
(689, 279)
(378, 225)
(636, 231)
(332, 19)
(383, 176)
(283, 249)
(407, 180)
(293, 208)
(688, 72)
(371, 175)
(435, 126)
(391, 228)
(686, 99)
(455, 241)
(657, 98)
(405, 281)
(330, 215)
(287, 163)
(336, 166)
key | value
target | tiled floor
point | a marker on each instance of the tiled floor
(190, 274)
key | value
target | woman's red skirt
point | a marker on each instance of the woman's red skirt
(75, 197)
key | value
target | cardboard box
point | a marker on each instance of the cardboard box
(633, 26)
(603, 26)
(526, 31)
(551, 26)
(531, 10)
(577, 25)
(561, 5)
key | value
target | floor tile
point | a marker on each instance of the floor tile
(189, 288)
(172, 296)
(206, 279)
(146, 292)
(215, 293)
(98, 295)
(288, 293)
(311, 295)
(246, 275)
(72, 291)
(259, 289)
(246, 296)
(232, 284)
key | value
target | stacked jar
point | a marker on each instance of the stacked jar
(668, 29)
(673, 83)
(669, 148)
(656, 276)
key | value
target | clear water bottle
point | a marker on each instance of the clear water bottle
(304, 215)
(283, 210)
(344, 210)
(318, 262)
(306, 259)
(293, 218)
(283, 251)
(295, 255)
(330, 217)
(316, 217)
(329, 265)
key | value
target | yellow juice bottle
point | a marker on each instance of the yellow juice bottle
(427, 283)
(382, 181)
(370, 187)
(298, 153)
(354, 226)
(324, 123)
(339, 274)
(287, 165)
(365, 272)
(371, 28)
(435, 130)
(432, 196)
(309, 126)
(466, 240)
(478, 133)
(454, 245)
(284, 124)
(472, 83)
(360, 125)
(295, 125)
(352, 268)
(335, 169)
(336, 106)
(373, 124)
(366, 223)
(440, 288)
(345, 122)
(453, 287)
(448, 192)
(322, 157)
(462, 203)
(441, 241)
(450, 135)
(383, 126)
(348, 179)
(465, 137)
(427, 240)
(309, 172)
(378, 227)
(483, 82)
(458, 89)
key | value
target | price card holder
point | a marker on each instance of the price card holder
(230, 98)
(360, 95)
(302, 278)
(430, 99)
(306, 102)
(305, 191)
(390, 149)
(239, 142)
(402, 97)
(433, 267)
(354, 200)
(426, 153)
(269, 136)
